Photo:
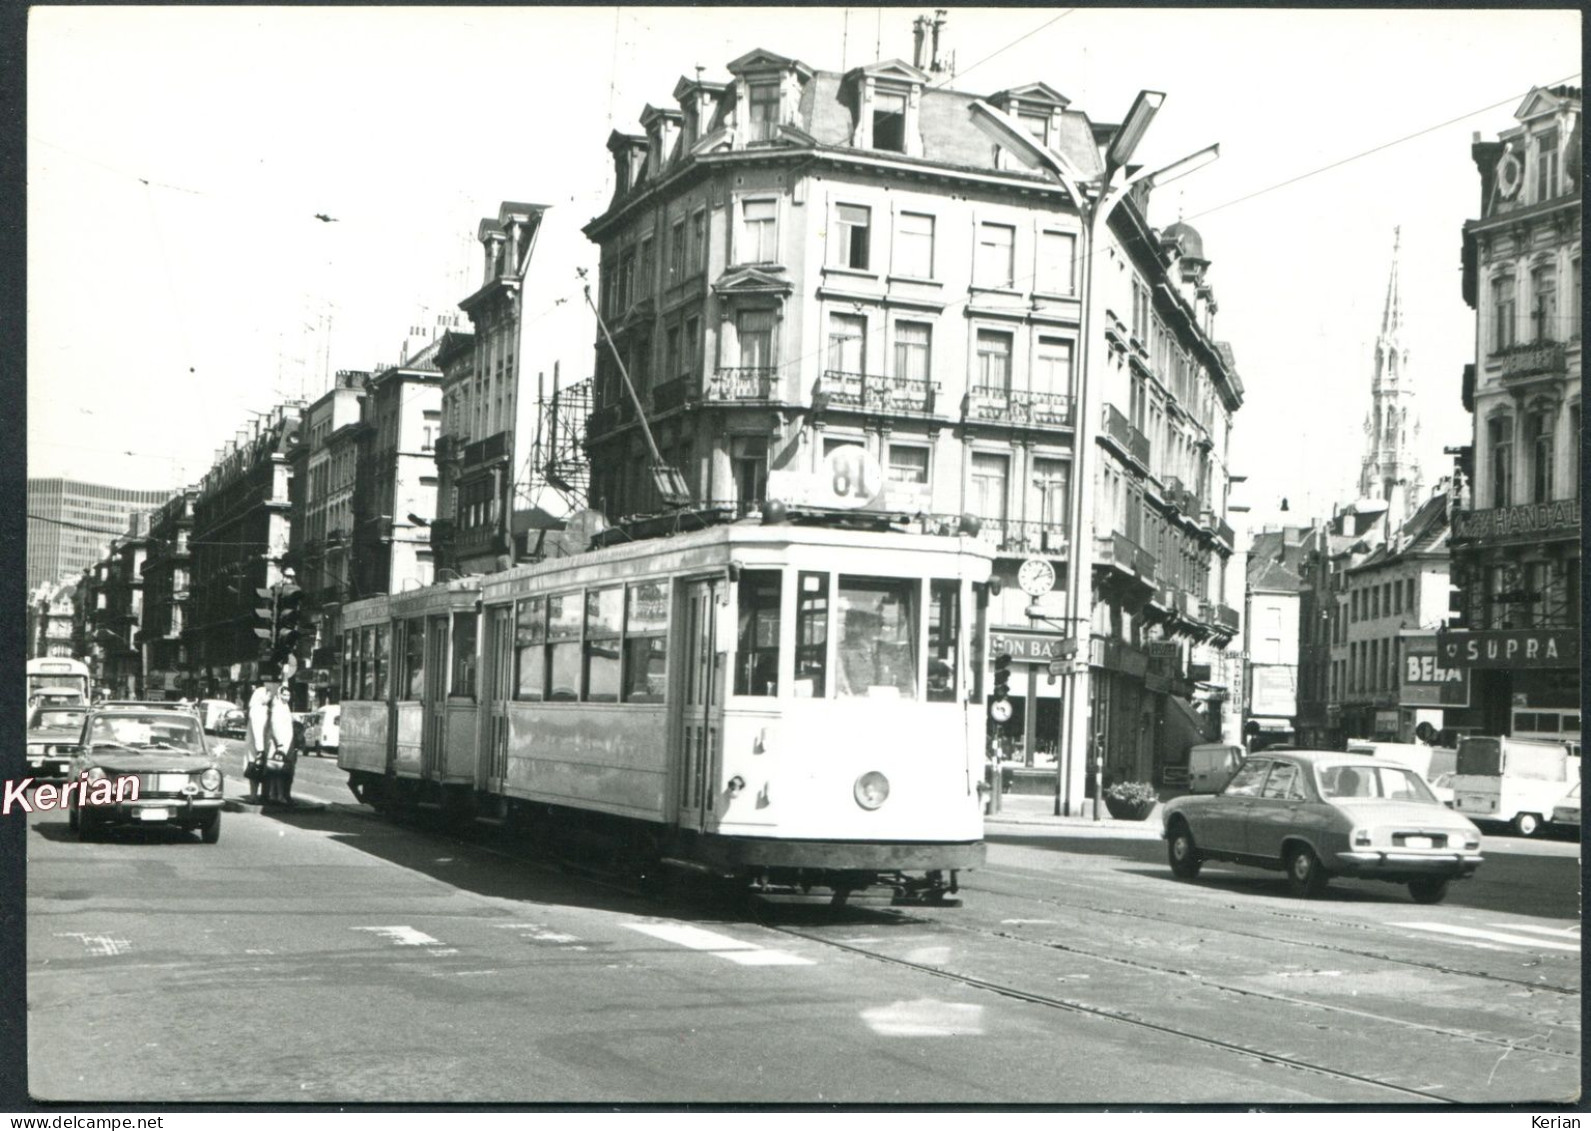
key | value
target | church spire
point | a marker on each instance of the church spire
(1389, 470)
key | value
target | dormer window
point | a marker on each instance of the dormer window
(1037, 126)
(1547, 165)
(889, 121)
(762, 111)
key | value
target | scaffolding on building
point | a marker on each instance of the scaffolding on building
(557, 459)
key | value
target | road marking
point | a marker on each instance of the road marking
(408, 936)
(925, 1018)
(1555, 932)
(1020, 922)
(537, 933)
(1493, 936)
(720, 946)
(100, 946)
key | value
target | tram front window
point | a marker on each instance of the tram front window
(944, 632)
(877, 624)
(757, 654)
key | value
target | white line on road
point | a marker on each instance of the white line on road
(408, 936)
(1494, 936)
(100, 946)
(1555, 932)
(720, 946)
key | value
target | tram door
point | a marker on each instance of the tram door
(497, 683)
(701, 709)
(433, 709)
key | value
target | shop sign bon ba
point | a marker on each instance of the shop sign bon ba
(1529, 522)
(1426, 679)
(1510, 648)
(1030, 647)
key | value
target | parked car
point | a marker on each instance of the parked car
(1566, 814)
(164, 747)
(1517, 780)
(52, 733)
(1317, 814)
(1442, 786)
(321, 732)
(212, 712)
(234, 724)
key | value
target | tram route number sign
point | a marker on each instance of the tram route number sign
(849, 478)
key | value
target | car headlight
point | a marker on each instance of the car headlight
(210, 779)
(871, 790)
(1361, 838)
(95, 773)
(38, 748)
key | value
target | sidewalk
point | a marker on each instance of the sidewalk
(1035, 811)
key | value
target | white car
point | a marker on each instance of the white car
(1442, 786)
(321, 732)
(1566, 814)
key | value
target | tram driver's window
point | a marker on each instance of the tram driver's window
(462, 684)
(413, 658)
(530, 650)
(604, 629)
(646, 642)
(757, 653)
(812, 636)
(565, 612)
(877, 625)
(944, 633)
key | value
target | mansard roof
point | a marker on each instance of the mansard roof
(1036, 92)
(890, 69)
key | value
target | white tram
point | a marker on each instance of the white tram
(795, 706)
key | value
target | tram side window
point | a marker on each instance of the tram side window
(350, 665)
(604, 635)
(646, 642)
(530, 646)
(378, 661)
(564, 616)
(944, 634)
(812, 636)
(878, 637)
(414, 658)
(367, 664)
(462, 685)
(757, 654)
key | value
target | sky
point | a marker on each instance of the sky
(179, 280)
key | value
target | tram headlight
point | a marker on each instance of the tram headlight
(871, 790)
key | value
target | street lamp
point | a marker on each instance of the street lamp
(1096, 200)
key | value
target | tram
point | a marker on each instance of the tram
(792, 706)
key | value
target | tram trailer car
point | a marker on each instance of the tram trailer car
(790, 706)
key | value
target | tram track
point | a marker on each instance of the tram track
(1128, 913)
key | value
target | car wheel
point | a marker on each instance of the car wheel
(210, 831)
(71, 818)
(1525, 824)
(1429, 890)
(1183, 853)
(1305, 876)
(87, 825)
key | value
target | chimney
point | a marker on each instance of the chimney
(919, 28)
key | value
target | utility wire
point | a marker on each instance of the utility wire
(1002, 50)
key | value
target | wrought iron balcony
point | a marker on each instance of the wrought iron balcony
(1022, 407)
(1023, 538)
(1178, 495)
(1143, 564)
(873, 392)
(1224, 617)
(757, 383)
(1117, 551)
(1534, 359)
(1120, 431)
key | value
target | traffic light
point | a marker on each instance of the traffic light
(265, 617)
(289, 624)
(1002, 676)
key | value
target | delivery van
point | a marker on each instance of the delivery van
(1211, 765)
(1430, 762)
(1517, 780)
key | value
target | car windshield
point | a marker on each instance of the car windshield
(146, 732)
(57, 718)
(1390, 783)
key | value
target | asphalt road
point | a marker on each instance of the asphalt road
(324, 955)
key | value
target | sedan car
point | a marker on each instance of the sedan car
(321, 732)
(164, 749)
(52, 735)
(1317, 814)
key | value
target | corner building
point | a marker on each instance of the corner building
(797, 259)
(1516, 546)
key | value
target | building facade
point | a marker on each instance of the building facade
(1271, 629)
(394, 501)
(167, 576)
(1516, 546)
(58, 511)
(475, 452)
(799, 261)
(241, 519)
(50, 608)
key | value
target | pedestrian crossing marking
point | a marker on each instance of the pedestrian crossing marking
(99, 946)
(408, 936)
(1490, 936)
(720, 946)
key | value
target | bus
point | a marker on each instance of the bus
(58, 681)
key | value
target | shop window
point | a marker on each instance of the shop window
(757, 653)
